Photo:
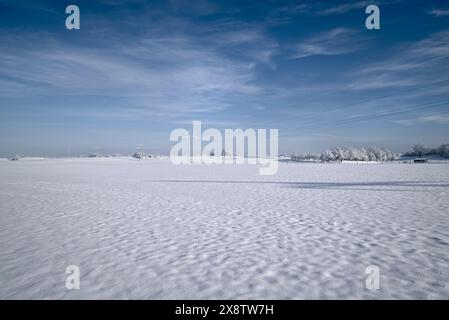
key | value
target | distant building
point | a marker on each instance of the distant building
(94, 155)
(139, 155)
(420, 160)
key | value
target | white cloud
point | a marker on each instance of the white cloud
(198, 7)
(419, 54)
(419, 63)
(343, 8)
(334, 42)
(381, 81)
(346, 7)
(436, 118)
(439, 12)
(167, 76)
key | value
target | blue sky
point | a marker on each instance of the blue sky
(138, 69)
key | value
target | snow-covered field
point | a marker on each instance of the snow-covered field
(149, 229)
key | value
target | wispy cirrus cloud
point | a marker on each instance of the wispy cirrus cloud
(380, 81)
(350, 6)
(330, 43)
(143, 75)
(420, 62)
(344, 8)
(248, 42)
(435, 118)
(292, 9)
(199, 7)
(287, 11)
(173, 78)
(439, 12)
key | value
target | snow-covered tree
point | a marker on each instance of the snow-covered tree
(358, 154)
(419, 150)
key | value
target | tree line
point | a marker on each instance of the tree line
(420, 150)
(358, 154)
(375, 154)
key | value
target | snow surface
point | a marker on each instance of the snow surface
(149, 229)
